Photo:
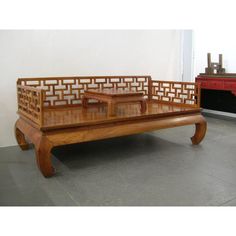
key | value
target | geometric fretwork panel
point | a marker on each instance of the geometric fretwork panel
(176, 92)
(70, 90)
(30, 103)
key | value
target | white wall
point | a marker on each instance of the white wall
(91, 52)
(216, 42)
(187, 55)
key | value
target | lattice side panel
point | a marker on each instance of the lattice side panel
(58, 91)
(69, 91)
(30, 103)
(176, 92)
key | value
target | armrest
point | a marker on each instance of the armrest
(174, 92)
(30, 103)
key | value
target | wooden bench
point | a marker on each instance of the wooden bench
(51, 113)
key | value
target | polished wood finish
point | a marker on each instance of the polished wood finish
(121, 129)
(43, 155)
(97, 114)
(30, 103)
(114, 92)
(48, 124)
(68, 91)
(172, 92)
(20, 138)
(200, 131)
(113, 97)
(41, 143)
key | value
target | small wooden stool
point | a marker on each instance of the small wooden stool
(113, 96)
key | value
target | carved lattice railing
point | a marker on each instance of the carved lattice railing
(30, 103)
(68, 91)
(184, 93)
(36, 93)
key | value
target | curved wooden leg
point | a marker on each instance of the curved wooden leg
(43, 155)
(200, 131)
(20, 138)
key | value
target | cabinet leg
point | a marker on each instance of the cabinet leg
(43, 155)
(20, 138)
(200, 131)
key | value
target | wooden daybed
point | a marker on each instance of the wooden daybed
(51, 114)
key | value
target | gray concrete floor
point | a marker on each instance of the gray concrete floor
(153, 169)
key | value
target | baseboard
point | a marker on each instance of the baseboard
(219, 114)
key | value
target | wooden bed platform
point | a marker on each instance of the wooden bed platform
(51, 114)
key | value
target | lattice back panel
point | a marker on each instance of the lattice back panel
(176, 92)
(69, 90)
(30, 103)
